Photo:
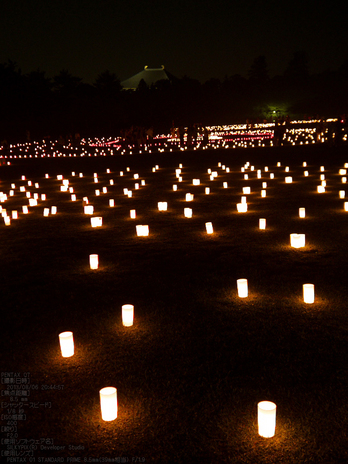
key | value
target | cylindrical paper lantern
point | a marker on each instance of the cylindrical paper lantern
(196, 181)
(209, 227)
(175, 187)
(308, 293)
(207, 190)
(53, 210)
(302, 212)
(262, 223)
(246, 190)
(93, 261)
(108, 403)
(188, 212)
(263, 193)
(111, 202)
(127, 315)
(297, 240)
(225, 185)
(242, 207)
(288, 180)
(96, 221)
(342, 193)
(133, 213)
(162, 206)
(189, 197)
(346, 206)
(142, 231)
(88, 209)
(266, 418)
(242, 287)
(66, 341)
(46, 212)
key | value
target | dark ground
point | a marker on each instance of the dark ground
(198, 359)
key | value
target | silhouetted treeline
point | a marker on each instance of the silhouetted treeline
(33, 105)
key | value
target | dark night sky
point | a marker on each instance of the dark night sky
(198, 39)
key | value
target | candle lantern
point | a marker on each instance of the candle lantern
(108, 403)
(246, 190)
(189, 197)
(66, 341)
(188, 212)
(73, 197)
(346, 206)
(88, 209)
(142, 231)
(162, 206)
(242, 207)
(53, 210)
(242, 287)
(111, 202)
(196, 181)
(46, 212)
(302, 212)
(288, 180)
(43, 197)
(25, 209)
(94, 261)
(342, 193)
(209, 227)
(14, 214)
(297, 240)
(133, 213)
(263, 193)
(175, 187)
(225, 185)
(320, 189)
(262, 223)
(207, 190)
(308, 293)
(266, 418)
(271, 175)
(127, 315)
(96, 221)
(264, 185)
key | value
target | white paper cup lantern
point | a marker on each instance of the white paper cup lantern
(188, 212)
(189, 197)
(342, 193)
(288, 180)
(133, 213)
(175, 187)
(320, 189)
(96, 221)
(209, 227)
(263, 193)
(246, 177)
(162, 206)
(66, 341)
(242, 207)
(242, 287)
(53, 210)
(127, 315)
(302, 212)
(93, 261)
(344, 180)
(196, 181)
(43, 197)
(46, 212)
(346, 206)
(306, 173)
(262, 223)
(266, 418)
(225, 185)
(246, 190)
(108, 403)
(207, 190)
(308, 293)
(14, 214)
(297, 240)
(271, 175)
(88, 209)
(142, 230)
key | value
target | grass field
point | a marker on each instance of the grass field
(190, 371)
